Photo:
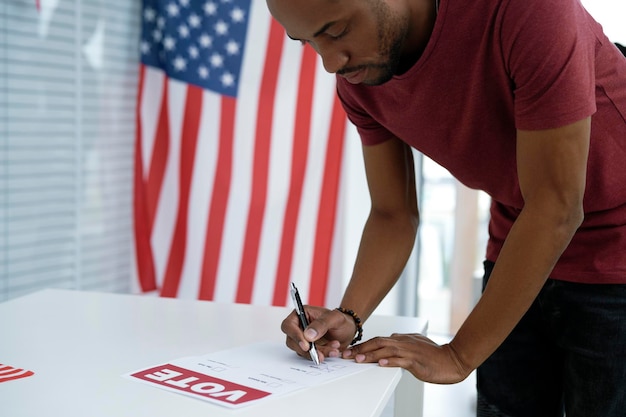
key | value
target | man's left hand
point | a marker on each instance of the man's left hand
(425, 359)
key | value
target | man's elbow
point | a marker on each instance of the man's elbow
(569, 215)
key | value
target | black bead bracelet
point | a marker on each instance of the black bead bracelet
(357, 321)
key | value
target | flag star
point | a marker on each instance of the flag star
(221, 27)
(194, 20)
(210, 8)
(183, 31)
(232, 47)
(145, 47)
(149, 14)
(196, 41)
(203, 72)
(228, 79)
(179, 63)
(237, 15)
(206, 41)
(216, 60)
(169, 43)
(173, 9)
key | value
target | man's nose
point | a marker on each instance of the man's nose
(333, 59)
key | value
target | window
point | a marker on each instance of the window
(68, 75)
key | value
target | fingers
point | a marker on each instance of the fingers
(396, 349)
(425, 359)
(299, 340)
(322, 330)
(373, 350)
(330, 319)
(295, 337)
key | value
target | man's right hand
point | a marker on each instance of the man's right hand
(331, 330)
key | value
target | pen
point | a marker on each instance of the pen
(297, 302)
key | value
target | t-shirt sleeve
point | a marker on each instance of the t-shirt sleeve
(549, 50)
(370, 131)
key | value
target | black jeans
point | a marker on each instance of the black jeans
(567, 354)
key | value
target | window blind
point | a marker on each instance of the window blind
(68, 82)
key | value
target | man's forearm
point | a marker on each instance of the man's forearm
(531, 250)
(385, 247)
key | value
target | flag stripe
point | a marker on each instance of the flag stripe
(200, 194)
(301, 138)
(17, 376)
(143, 248)
(328, 207)
(159, 157)
(279, 181)
(219, 200)
(307, 221)
(5, 369)
(191, 126)
(267, 96)
(8, 373)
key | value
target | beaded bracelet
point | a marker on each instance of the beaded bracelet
(357, 321)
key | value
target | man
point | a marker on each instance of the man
(525, 100)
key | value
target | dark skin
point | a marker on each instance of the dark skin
(400, 32)
(363, 40)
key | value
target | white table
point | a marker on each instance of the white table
(80, 343)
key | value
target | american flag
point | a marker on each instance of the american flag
(9, 373)
(238, 158)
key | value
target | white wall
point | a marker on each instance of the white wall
(612, 15)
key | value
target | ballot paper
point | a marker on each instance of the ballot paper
(244, 375)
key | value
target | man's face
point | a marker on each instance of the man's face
(361, 40)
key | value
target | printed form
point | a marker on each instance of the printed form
(244, 375)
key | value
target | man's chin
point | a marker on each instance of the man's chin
(380, 80)
(370, 75)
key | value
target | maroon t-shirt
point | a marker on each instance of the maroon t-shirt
(494, 66)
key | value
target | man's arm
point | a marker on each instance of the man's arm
(552, 166)
(390, 230)
(385, 247)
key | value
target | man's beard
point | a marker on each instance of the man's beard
(391, 38)
(388, 68)
(384, 70)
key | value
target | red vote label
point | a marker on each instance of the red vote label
(174, 377)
